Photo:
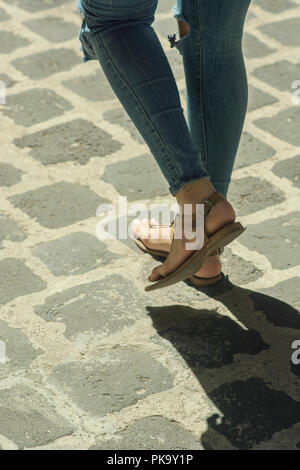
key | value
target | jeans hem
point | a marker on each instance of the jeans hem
(179, 184)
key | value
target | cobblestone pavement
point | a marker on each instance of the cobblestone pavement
(93, 362)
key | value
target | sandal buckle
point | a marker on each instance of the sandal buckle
(210, 203)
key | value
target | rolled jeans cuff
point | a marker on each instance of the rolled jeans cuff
(180, 183)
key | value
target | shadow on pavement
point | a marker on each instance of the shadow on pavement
(243, 363)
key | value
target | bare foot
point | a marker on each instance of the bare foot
(222, 214)
(156, 237)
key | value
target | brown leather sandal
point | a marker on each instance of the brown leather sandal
(161, 255)
(218, 240)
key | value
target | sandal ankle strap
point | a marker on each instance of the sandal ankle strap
(211, 202)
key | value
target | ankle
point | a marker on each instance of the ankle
(222, 214)
(195, 192)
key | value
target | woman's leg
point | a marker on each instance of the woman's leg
(210, 42)
(120, 35)
(216, 81)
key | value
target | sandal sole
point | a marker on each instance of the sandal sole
(219, 240)
(196, 281)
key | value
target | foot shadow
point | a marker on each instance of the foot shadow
(243, 362)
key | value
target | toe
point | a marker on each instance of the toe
(136, 223)
(145, 233)
(140, 229)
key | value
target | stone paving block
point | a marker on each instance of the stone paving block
(17, 279)
(204, 338)
(34, 5)
(93, 87)
(3, 15)
(252, 150)
(9, 230)
(277, 239)
(77, 141)
(120, 117)
(9, 175)
(258, 99)
(53, 28)
(28, 420)
(280, 75)
(252, 412)
(274, 6)
(117, 379)
(284, 31)
(280, 304)
(151, 433)
(289, 169)
(10, 42)
(251, 194)
(284, 125)
(137, 178)
(34, 106)
(87, 308)
(59, 204)
(19, 351)
(74, 254)
(238, 270)
(46, 63)
(253, 48)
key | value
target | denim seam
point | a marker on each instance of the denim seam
(201, 82)
(170, 158)
(156, 132)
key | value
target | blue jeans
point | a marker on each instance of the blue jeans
(119, 34)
